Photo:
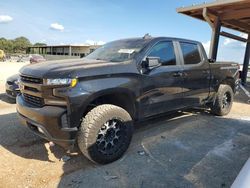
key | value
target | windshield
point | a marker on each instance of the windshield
(118, 51)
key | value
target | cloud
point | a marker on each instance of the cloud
(43, 40)
(206, 46)
(244, 35)
(92, 42)
(56, 26)
(5, 18)
(229, 49)
(228, 41)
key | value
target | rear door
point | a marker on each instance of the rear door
(163, 91)
(196, 73)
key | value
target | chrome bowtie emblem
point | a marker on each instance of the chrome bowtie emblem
(21, 86)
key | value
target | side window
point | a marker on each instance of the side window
(191, 53)
(165, 51)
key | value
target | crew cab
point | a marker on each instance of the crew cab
(95, 101)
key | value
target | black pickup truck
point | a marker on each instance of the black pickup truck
(94, 101)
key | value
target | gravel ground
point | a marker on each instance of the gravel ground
(185, 149)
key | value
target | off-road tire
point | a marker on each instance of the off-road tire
(224, 95)
(93, 123)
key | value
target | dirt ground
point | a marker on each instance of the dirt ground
(8, 69)
(186, 149)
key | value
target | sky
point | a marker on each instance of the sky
(101, 21)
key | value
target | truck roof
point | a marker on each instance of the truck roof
(148, 39)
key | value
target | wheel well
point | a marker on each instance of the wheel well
(122, 100)
(230, 82)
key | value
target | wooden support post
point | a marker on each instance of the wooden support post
(215, 39)
(232, 36)
(246, 62)
(216, 27)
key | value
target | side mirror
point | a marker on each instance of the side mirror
(153, 62)
(211, 60)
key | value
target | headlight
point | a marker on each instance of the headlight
(62, 81)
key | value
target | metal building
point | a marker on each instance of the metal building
(62, 51)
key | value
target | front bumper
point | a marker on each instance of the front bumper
(47, 122)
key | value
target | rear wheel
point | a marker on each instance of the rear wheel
(223, 101)
(105, 133)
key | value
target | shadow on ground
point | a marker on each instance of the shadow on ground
(190, 149)
(19, 140)
(242, 97)
(185, 149)
(5, 98)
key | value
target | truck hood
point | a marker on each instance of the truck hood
(72, 68)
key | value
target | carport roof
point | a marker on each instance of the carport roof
(233, 14)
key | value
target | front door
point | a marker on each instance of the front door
(163, 85)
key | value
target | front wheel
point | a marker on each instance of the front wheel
(105, 133)
(223, 101)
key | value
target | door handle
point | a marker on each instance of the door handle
(177, 74)
(205, 71)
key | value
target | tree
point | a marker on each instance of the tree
(40, 44)
(6, 45)
(18, 45)
(21, 44)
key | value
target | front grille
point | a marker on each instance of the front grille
(36, 101)
(31, 89)
(31, 79)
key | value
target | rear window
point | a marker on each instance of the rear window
(190, 53)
